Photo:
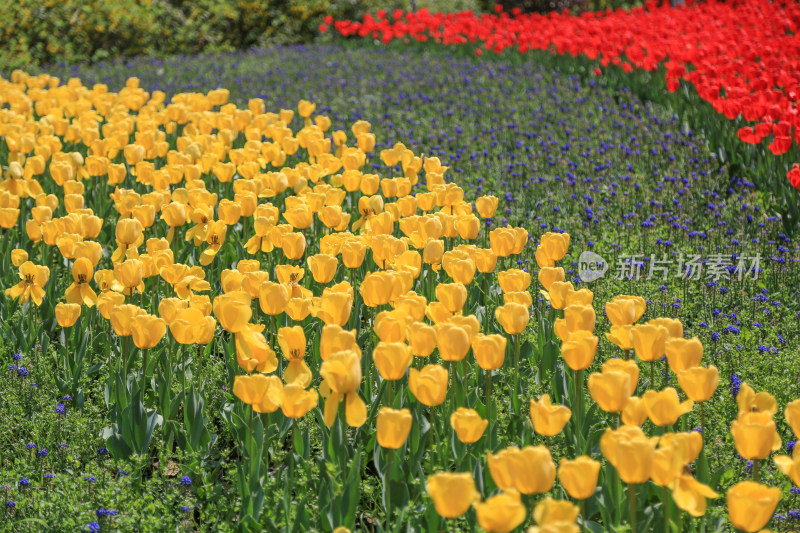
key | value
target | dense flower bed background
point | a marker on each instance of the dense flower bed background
(623, 177)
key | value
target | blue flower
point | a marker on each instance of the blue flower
(186, 481)
(102, 451)
(92, 527)
(24, 482)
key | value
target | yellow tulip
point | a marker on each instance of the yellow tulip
(548, 419)
(80, 292)
(489, 351)
(485, 260)
(233, 311)
(621, 336)
(376, 289)
(452, 494)
(501, 513)
(341, 378)
(452, 295)
(555, 245)
(699, 383)
(673, 325)
(191, 326)
(579, 476)
(292, 341)
(556, 515)
(648, 341)
(452, 341)
(147, 330)
(323, 267)
(429, 385)
(502, 241)
(293, 245)
(129, 274)
(664, 407)
(421, 338)
(34, 278)
(514, 280)
(273, 297)
(690, 495)
(530, 470)
(630, 452)
(122, 319)
(579, 349)
(610, 389)
(751, 505)
(668, 463)
(106, 301)
(513, 317)
(792, 414)
(755, 435)
(392, 359)
(789, 466)
(333, 307)
(683, 353)
(336, 339)
(262, 393)
(296, 402)
(468, 425)
(390, 326)
(393, 427)
(67, 314)
(18, 256)
(558, 293)
(624, 310)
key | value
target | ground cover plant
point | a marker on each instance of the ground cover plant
(201, 439)
(732, 61)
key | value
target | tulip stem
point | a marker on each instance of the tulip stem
(144, 372)
(579, 407)
(667, 517)
(488, 374)
(632, 505)
(702, 421)
(582, 505)
(756, 470)
(390, 386)
(387, 481)
(652, 375)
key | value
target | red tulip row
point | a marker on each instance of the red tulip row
(743, 57)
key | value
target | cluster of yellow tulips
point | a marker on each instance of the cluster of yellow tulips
(198, 230)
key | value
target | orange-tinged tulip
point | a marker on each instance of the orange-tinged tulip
(452, 295)
(393, 427)
(690, 495)
(485, 260)
(486, 206)
(429, 385)
(452, 494)
(390, 326)
(673, 325)
(558, 293)
(501, 513)
(514, 280)
(610, 389)
(555, 245)
(751, 505)
(530, 470)
(191, 326)
(548, 419)
(621, 336)
(341, 378)
(489, 351)
(296, 402)
(392, 359)
(502, 241)
(468, 425)
(579, 476)
(67, 314)
(375, 290)
(755, 435)
(749, 400)
(550, 275)
(634, 413)
(262, 393)
(664, 407)
(683, 353)
(648, 341)
(421, 338)
(789, 466)
(576, 318)
(699, 383)
(513, 317)
(579, 349)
